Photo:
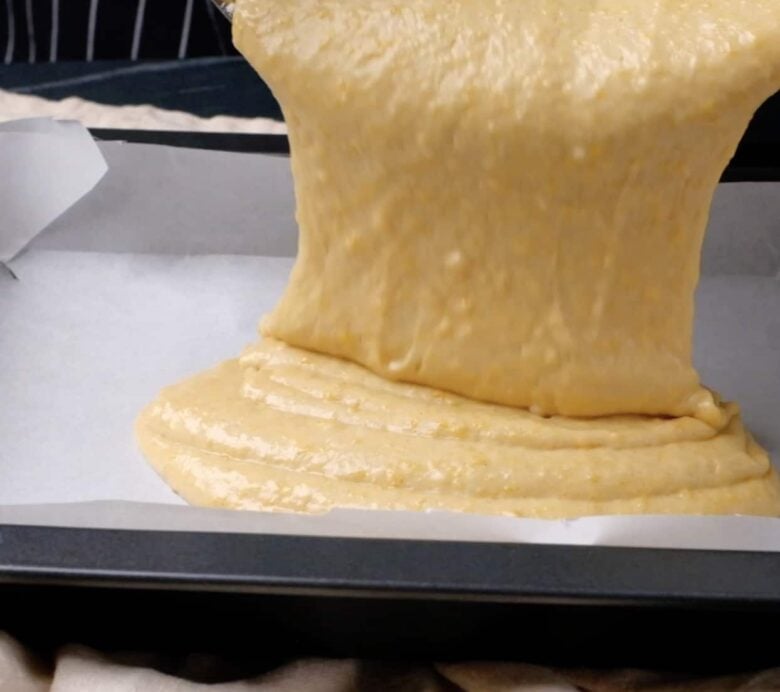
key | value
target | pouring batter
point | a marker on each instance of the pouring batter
(502, 205)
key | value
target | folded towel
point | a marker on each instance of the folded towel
(76, 669)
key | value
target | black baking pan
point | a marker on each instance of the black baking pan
(271, 597)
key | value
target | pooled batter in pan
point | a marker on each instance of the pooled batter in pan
(502, 205)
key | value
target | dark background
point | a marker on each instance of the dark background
(53, 30)
(174, 54)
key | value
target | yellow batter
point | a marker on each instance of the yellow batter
(502, 202)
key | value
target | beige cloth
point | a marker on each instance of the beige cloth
(76, 669)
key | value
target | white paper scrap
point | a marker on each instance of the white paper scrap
(48, 166)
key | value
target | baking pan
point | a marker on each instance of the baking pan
(269, 597)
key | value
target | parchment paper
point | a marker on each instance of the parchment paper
(165, 269)
(40, 180)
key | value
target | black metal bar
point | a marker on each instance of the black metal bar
(214, 141)
(753, 162)
(371, 567)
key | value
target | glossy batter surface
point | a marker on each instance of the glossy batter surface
(502, 202)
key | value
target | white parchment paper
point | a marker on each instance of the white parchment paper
(47, 166)
(119, 297)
